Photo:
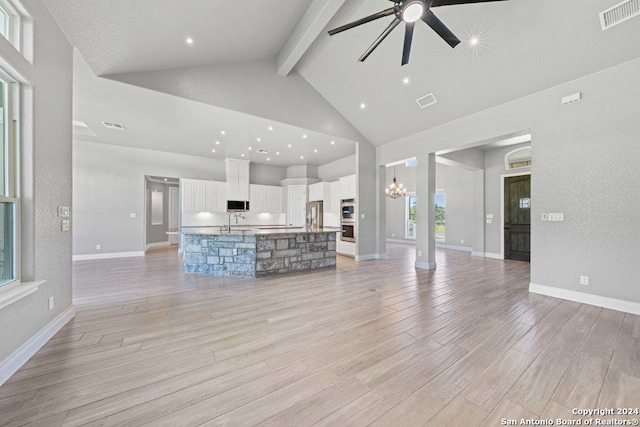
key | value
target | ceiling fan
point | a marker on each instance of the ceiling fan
(409, 12)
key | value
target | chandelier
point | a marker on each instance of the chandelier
(395, 190)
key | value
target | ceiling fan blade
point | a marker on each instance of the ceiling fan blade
(437, 3)
(441, 29)
(380, 38)
(408, 37)
(369, 18)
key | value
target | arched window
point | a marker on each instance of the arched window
(516, 159)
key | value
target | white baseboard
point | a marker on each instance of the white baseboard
(403, 241)
(478, 254)
(108, 256)
(157, 245)
(453, 248)
(581, 297)
(493, 256)
(15, 360)
(370, 257)
(426, 265)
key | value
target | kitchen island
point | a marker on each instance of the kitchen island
(257, 252)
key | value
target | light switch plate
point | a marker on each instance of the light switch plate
(63, 211)
(133, 215)
(66, 225)
(556, 217)
(489, 216)
(544, 217)
(361, 216)
(489, 220)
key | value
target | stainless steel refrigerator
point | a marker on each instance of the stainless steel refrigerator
(314, 215)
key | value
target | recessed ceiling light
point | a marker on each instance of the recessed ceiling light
(333, 143)
(223, 132)
(270, 127)
(363, 106)
(259, 139)
(315, 151)
(213, 151)
(289, 145)
(250, 148)
(474, 41)
(304, 136)
(217, 142)
(277, 153)
(302, 157)
(189, 40)
(268, 159)
(406, 80)
(166, 180)
(241, 155)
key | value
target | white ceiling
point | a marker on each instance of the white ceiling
(525, 46)
(118, 36)
(157, 121)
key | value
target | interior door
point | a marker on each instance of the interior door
(297, 205)
(174, 214)
(517, 218)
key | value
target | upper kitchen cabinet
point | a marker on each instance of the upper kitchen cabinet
(203, 196)
(265, 199)
(321, 192)
(348, 187)
(237, 179)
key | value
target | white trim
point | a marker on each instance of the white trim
(493, 256)
(507, 165)
(370, 257)
(454, 248)
(13, 362)
(426, 265)
(411, 242)
(584, 298)
(16, 291)
(108, 256)
(502, 177)
(478, 254)
(157, 245)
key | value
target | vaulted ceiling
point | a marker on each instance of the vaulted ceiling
(524, 46)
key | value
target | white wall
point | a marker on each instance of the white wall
(108, 185)
(458, 187)
(395, 212)
(46, 180)
(335, 170)
(585, 165)
(266, 175)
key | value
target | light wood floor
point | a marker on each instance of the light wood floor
(368, 343)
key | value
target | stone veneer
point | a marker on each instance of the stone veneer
(258, 255)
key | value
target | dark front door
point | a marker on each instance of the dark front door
(517, 218)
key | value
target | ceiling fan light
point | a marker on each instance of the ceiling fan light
(413, 11)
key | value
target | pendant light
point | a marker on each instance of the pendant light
(395, 190)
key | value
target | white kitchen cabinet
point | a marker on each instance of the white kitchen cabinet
(237, 179)
(203, 196)
(348, 187)
(321, 191)
(335, 199)
(265, 199)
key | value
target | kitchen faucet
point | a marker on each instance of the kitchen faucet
(236, 215)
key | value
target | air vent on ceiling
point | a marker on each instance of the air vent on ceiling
(619, 13)
(112, 125)
(262, 151)
(426, 101)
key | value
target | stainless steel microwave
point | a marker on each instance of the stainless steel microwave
(237, 206)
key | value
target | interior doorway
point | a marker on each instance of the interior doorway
(517, 217)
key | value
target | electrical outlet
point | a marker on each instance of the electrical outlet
(66, 225)
(489, 220)
(361, 216)
(584, 280)
(419, 253)
(63, 211)
(51, 303)
(98, 247)
(462, 242)
(133, 215)
(393, 234)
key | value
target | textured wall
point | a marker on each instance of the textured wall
(584, 165)
(336, 170)
(46, 249)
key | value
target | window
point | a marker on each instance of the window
(410, 214)
(441, 204)
(17, 27)
(8, 179)
(520, 158)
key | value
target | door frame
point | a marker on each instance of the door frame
(502, 179)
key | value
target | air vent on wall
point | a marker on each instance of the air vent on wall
(426, 101)
(112, 125)
(262, 151)
(619, 13)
